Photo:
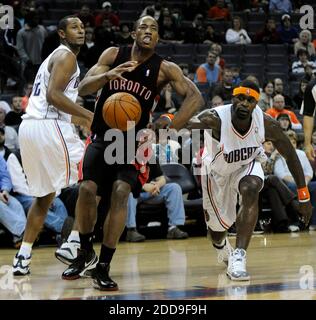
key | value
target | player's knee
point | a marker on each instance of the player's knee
(120, 193)
(88, 190)
(250, 189)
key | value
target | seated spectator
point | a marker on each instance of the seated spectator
(283, 202)
(158, 189)
(279, 89)
(281, 170)
(266, 101)
(288, 33)
(224, 89)
(219, 11)
(309, 73)
(305, 42)
(216, 101)
(237, 34)
(57, 213)
(88, 43)
(14, 117)
(8, 134)
(12, 215)
(278, 108)
(217, 49)
(268, 34)
(196, 32)
(285, 121)
(283, 6)
(86, 16)
(298, 67)
(168, 31)
(208, 72)
(153, 10)
(236, 76)
(107, 14)
(298, 98)
(124, 37)
(5, 106)
(211, 36)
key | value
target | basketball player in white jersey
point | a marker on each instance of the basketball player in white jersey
(231, 164)
(50, 151)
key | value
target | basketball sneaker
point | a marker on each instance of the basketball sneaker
(68, 252)
(237, 266)
(224, 252)
(81, 266)
(101, 278)
(21, 265)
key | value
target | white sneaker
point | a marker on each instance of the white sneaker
(21, 265)
(224, 253)
(68, 252)
(237, 266)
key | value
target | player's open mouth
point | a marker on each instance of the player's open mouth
(147, 40)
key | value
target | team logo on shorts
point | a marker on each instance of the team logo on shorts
(206, 216)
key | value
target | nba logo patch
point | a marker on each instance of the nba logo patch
(147, 72)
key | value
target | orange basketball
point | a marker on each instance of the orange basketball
(119, 108)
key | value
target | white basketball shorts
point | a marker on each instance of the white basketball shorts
(220, 195)
(50, 152)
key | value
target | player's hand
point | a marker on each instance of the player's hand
(161, 123)
(305, 209)
(309, 150)
(4, 196)
(120, 69)
(156, 189)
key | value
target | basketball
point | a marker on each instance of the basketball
(119, 108)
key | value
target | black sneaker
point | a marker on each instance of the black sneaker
(86, 260)
(101, 278)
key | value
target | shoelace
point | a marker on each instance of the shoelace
(238, 264)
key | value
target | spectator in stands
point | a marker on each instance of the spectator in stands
(236, 76)
(86, 16)
(217, 49)
(288, 33)
(278, 108)
(269, 34)
(11, 135)
(51, 42)
(224, 89)
(285, 121)
(216, 101)
(57, 213)
(26, 94)
(211, 36)
(280, 6)
(168, 31)
(298, 98)
(124, 35)
(298, 67)
(266, 101)
(254, 79)
(279, 89)
(153, 10)
(196, 32)
(107, 14)
(208, 72)
(219, 11)
(89, 43)
(281, 170)
(5, 106)
(305, 42)
(12, 215)
(14, 117)
(158, 189)
(29, 45)
(309, 73)
(282, 200)
(236, 34)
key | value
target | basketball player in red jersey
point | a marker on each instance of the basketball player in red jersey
(142, 73)
(232, 161)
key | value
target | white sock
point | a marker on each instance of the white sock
(25, 249)
(171, 227)
(74, 236)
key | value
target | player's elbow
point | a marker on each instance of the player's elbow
(199, 101)
(52, 97)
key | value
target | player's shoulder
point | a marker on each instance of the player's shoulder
(109, 55)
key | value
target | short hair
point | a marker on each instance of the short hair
(136, 24)
(250, 84)
(62, 25)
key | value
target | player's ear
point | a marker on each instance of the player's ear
(61, 34)
(133, 35)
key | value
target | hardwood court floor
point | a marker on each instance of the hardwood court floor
(281, 267)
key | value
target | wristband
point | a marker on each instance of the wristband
(303, 194)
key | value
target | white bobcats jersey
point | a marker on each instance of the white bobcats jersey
(234, 150)
(38, 107)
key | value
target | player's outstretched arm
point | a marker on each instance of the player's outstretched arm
(183, 86)
(274, 133)
(62, 66)
(207, 119)
(100, 73)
